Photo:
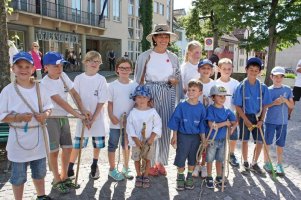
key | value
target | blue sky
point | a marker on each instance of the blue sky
(182, 4)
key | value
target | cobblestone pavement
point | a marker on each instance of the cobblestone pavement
(238, 187)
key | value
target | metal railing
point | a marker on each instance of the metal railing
(58, 11)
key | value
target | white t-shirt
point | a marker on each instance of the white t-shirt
(55, 87)
(188, 72)
(206, 91)
(230, 86)
(298, 78)
(92, 90)
(159, 67)
(135, 123)
(32, 139)
(119, 95)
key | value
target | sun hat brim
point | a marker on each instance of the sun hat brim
(173, 36)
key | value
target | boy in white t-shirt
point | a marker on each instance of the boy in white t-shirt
(120, 103)
(142, 114)
(225, 68)
(93, 90)
(20, 108)
(57, 84)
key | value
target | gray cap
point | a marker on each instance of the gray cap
(218, 90)
(278, 70)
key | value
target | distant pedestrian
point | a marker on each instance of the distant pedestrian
(112, 58)
(37, 57)
(297, 87)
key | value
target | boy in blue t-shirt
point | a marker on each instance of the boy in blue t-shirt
(187, 123)
(282, 101)
(219, 118)
(251, 99)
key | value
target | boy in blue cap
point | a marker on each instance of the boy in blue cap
(142, 114)
(20, 108)
(58, 84)
(187, 123)
(251, 99)
(282, 101)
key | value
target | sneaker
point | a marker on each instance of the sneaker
(209, 182)
(280, 170)
(196, 171)
(116, 175)
(139, 181)
(255, 168)
(145, 182)
(268, 167)
(69, 184)
(94, 174)
(219, 181)
(233, 161)
(203, 171)
(180, 184)
(71, 174)
(189, 184)
(60, 187)
(245, 169)
(45, 197)
(127, 173)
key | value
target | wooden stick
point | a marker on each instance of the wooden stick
(79, 152)
(225, 160)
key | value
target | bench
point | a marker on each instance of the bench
(4, 131)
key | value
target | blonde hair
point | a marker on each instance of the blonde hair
(224, 61)
(191, 46)
(91, 55)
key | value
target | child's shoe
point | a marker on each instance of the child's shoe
(233, 161)
(219, 181)
(209, 182)
(268, 167)
(180, 184)
(127, 173)
(280, 170)
(116, 175)
(255, 168)
(94, 174)
(139, 181)
(245, 169)
(203, 171)
(145, 182)
(189, 184)
(196, 171)
(45, 197)
(69, 183)
(60, 187)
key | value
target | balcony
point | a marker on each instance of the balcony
(57, 11)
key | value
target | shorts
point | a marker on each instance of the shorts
(59, 134)
(296, 93)
(255, 132)
(136, 153)
(280, 130)
(216, 151)
(187, 147)
(97, 142)
(234, 136)
(19, 171)
(114, 139)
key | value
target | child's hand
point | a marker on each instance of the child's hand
(259, 124)
(25, 117)
(150, 141)
(40, 117)
(80, 116)
(248, 123)
(114, 120)
(205, 100)
(87, 114)
(278, 101)
(138, 143)
(228, 123)
(173, 141)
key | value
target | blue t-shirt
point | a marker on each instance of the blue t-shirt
(188, 119)
(252, 96)
(278, 114)
(219, 115)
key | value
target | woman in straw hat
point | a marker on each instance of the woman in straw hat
(159, 69)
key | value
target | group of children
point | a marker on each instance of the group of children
(206, 117)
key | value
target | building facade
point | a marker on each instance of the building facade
(76, 26)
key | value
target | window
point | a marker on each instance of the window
(138, 34)
(131, 33)
(241, 51)
(91, 12)
(106, 11)
(137, 6)
(138, 25)
(131, 22)
(241, 62)
(116, 10)
(131, 7)
(156, 7)
(76, 8)
(168, 9)
(161, 9)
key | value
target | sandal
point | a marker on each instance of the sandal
(153, 171)
(139, 180)
(60, 187)
(68, 183)
(161, 170)
(146, 182)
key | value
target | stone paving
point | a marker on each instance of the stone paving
(163, 188)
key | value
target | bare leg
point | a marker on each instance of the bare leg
(209, 169)
(257, 151)
(219, 168)
(147, 168)
(18, 191)
(126, 156)
(137, 167)
(74, 155)
(40, 186)
(279, 154)
(54, 166)
(96, 153)
(232, 146)
(266, 153)
(65, 162)
(111, 156)
(245, 150)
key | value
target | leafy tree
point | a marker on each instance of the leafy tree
(175, 49)
(146, 20)
(4, 56)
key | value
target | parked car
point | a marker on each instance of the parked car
(289, 70)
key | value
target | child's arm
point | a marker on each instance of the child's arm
(17, 117)
(262, 116)
(243, 116)
(151, 139)
(276, 102)
(80, 103)
(137, 142)
(41, 117)
(174, 138)
(96, 113)
(289, 102)
(66, 106)
(218, 125)
(112, 117)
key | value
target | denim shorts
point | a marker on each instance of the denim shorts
(187, 147)
(234, 136)
(97, 142)
(19, 171)
(114, 139)
(216, 151)
(255, 132)
(280, 130)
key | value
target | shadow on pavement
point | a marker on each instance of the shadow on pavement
(118, 191)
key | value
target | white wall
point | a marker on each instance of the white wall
(289, 57)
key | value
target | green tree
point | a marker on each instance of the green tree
(146, 20)
(4, 56)
(175, 49)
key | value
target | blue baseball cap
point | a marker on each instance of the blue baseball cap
(141, 90)
(205, 62)
(23, 56)
(278, 70)
(255, 61)
(53, 58)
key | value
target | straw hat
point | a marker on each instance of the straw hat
(162, 29)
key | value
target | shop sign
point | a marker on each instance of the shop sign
(57, 36)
